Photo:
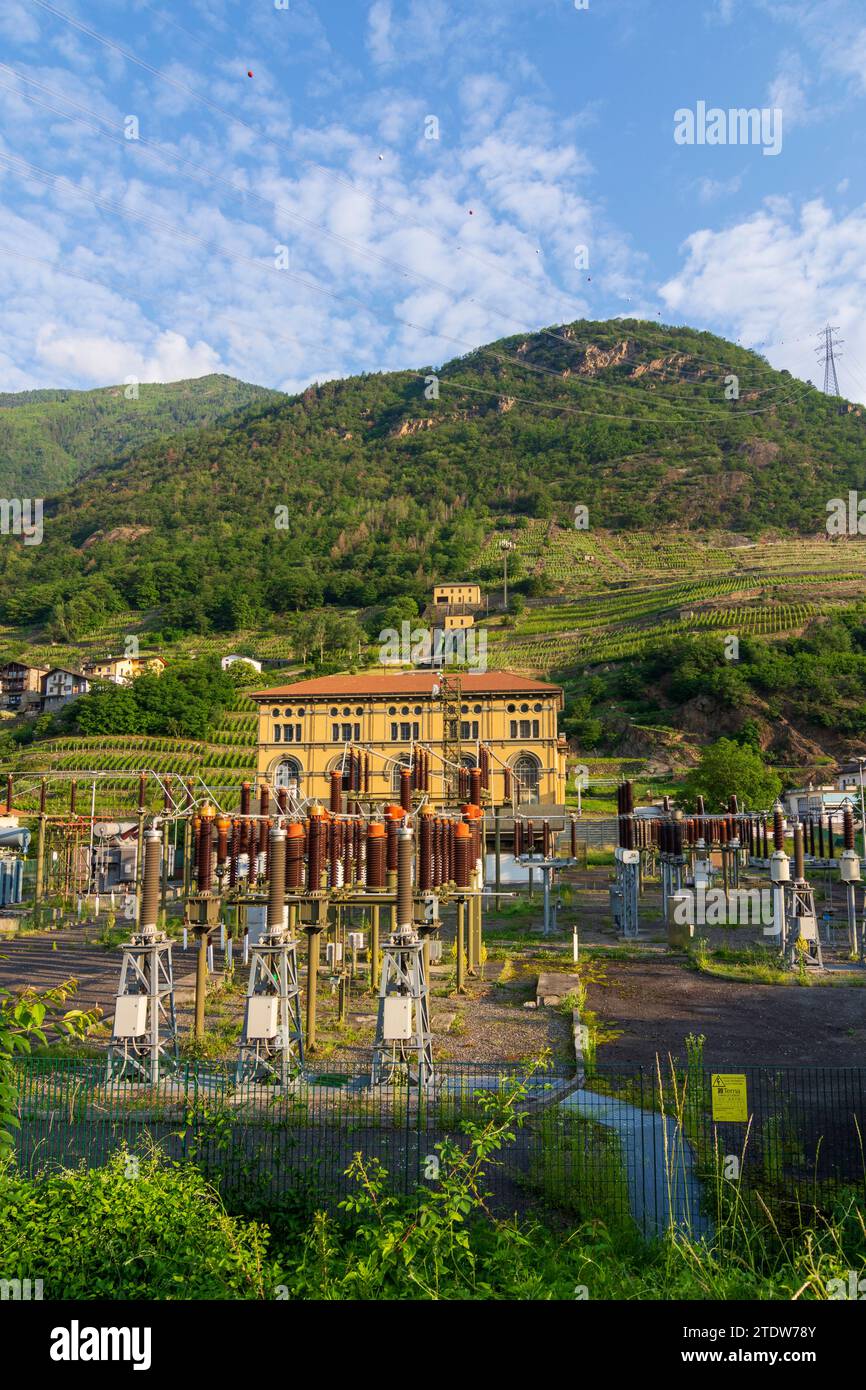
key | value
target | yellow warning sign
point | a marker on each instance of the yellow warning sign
(729, 1096)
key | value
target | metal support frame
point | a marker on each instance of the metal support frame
(146, 970)
(801, 924)
(403, 976)
(549, 868)
(451, 694)
(624, 891)
(273, 974)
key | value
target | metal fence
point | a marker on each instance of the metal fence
(636, 1145)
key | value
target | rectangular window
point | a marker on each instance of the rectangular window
(535, 728)
(405, 732)
(277, 733)
(525, 728)
(469, 728)
(335, 733)
(357, 733)
(513, 727)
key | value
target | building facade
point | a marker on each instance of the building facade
(60, 686)
(21, 685)
(305, 730)
(120, 670)
(455, 594)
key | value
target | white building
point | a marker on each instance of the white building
(232, 660)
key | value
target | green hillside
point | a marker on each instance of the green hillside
(382, 489)
(49, 439)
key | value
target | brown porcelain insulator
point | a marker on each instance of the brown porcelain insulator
(205, 853)
(425, 851)
(475, 786)
(462, 852)
(276, 877)
(404, 878)
(376, 856)
(406, 789)
(391, 844)
(799, 857)
(294, 855)
(234, 851)
(150, 879)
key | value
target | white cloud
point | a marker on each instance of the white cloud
(773, 279)
(379, 43)
(710, 190)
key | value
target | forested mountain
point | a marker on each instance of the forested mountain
(49, 439)
(370, 487)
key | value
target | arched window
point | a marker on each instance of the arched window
(527, 770)
(288, 774)
(403, 761)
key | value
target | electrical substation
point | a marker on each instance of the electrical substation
(366, 900)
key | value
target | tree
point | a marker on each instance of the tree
(729, 769)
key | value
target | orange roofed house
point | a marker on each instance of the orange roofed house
(305, 730)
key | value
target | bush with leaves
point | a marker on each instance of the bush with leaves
(137, 1228)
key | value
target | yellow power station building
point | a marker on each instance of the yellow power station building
(307, 729)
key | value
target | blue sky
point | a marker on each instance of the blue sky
(299, 224)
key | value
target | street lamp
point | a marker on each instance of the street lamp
(505, 546)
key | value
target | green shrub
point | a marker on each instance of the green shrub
(139, 1228)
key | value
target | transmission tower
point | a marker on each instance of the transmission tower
(827, 354)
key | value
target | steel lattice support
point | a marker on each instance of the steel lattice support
(271, 1046)
(801, 924)
(145, 1025)
(403, 1042)
(451, 694)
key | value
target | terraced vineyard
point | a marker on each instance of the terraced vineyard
(615, 594)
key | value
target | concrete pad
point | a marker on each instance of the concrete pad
(553, 986)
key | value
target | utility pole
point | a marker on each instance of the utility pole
(505, 546)
(827, 354)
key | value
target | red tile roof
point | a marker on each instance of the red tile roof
(399, 683)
